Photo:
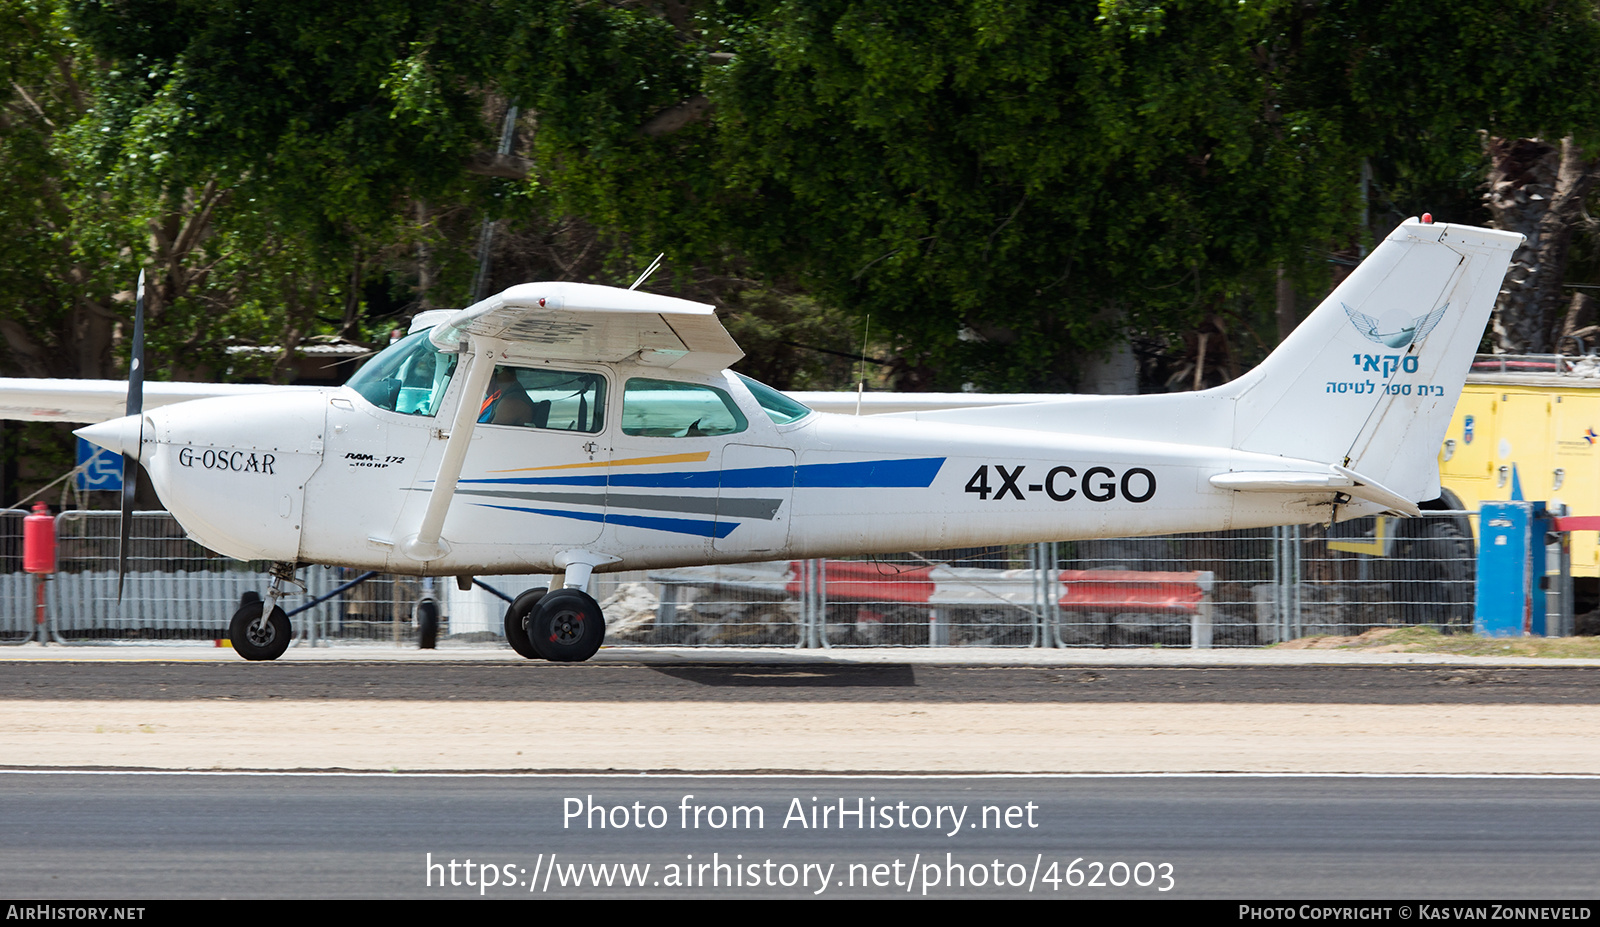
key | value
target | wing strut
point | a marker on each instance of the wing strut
(426, 544)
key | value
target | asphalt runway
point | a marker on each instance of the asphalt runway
(800, 682)
(154, 836)
(79, 823)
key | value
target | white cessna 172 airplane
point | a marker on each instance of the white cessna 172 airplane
(571, 428)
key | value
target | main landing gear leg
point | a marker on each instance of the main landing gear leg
(260, 630)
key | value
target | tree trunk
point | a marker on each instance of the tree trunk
(1538, 190)
(424, 259)
(1283, 293)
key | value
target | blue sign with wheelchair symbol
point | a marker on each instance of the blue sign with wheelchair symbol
(104, 470)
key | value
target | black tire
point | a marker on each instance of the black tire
(567, 627)
(1433, 571)
(266, 643)
(427, 624)
(517, 622)
(1449, 501)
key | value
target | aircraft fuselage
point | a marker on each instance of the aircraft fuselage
(327, 477)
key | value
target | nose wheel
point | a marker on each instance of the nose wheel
(255, 639)
(260, 630)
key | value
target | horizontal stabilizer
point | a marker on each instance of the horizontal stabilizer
(1333, 479)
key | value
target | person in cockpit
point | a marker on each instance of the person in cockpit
(506, 403)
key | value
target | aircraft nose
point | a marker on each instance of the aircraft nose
(119, 435)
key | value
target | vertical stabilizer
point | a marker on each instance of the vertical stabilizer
(1369, 380)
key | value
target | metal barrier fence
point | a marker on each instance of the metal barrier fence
(176, 589)
(1240, 588)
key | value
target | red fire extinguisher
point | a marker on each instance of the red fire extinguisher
(39, 558)
(39, 540)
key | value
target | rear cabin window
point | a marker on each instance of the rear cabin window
(538, 397)
(665, 409)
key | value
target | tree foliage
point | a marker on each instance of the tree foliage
(1004, 187)
(1010, 184)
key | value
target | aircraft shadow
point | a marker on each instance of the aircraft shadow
(794, 675)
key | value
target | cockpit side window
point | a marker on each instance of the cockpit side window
(539, 397)
(409, 377)
(668, 409)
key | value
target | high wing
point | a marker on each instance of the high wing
(584, 322)
(89, 401)
(545, 321)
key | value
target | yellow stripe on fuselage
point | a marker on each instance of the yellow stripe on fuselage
(696, 457)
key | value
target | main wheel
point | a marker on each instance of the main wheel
(266, 641)
(567, 626)
(1431, 572)
(517, 622)
(427, 624)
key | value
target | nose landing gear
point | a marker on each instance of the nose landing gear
(260, 630)
(257, 639)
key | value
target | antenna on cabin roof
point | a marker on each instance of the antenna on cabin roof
(480, 280)
(648, 271)
(861, 364)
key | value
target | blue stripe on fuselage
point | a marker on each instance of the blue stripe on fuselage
(916, 473)
(704, 529)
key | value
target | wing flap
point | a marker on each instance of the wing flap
(709, 344)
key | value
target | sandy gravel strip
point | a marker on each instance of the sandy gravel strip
(835, 737)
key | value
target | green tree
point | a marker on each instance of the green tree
(1010, 186)
(1004, 187)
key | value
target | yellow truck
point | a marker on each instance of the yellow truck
(1536, 416)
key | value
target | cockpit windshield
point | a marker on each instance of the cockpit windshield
(409, 377)
(780, 408)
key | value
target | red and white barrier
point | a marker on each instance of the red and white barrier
(870, 582)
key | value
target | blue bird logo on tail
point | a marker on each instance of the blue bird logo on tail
(1400, 331)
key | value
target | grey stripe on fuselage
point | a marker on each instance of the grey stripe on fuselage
(764, 509)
